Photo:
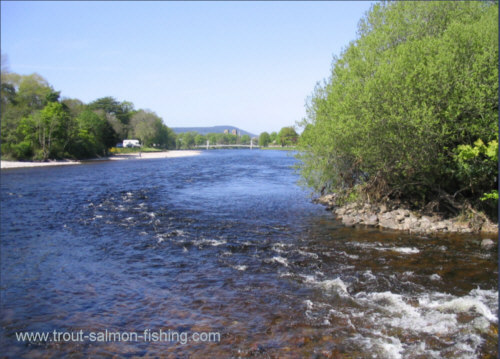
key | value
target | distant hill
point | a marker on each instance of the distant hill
(213, 129)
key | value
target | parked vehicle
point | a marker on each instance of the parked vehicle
(131, 143)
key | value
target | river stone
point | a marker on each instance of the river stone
(371, 220)
(328, 199)
(386, 215)
(461, 227)
(401, 214)
(487, 243)
(350, 206)
(410, 224)
(387, 220)
(489, 227)
(425, 222)
(439, 226)
(412, 219)
(340, 211)
(350, 220)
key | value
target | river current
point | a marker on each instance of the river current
(227, 242)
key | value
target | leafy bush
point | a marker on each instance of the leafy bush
(420, 81)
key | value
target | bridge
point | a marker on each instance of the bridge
(208, 146)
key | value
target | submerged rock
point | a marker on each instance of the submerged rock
(371, 220)
(349, 220)
(487, 243)
(389, 220)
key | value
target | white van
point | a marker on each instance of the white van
(131, 143)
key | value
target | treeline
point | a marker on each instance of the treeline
(287, 136)
(188, 140)
(36, 124)
(410, 110)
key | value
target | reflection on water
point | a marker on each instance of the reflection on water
(227, 242)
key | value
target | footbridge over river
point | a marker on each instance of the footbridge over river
(208, 146)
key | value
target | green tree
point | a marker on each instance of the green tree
(273, 136)
(21, 96)
(245, 140)
(48, 131)
(149, 128)
(288, 136)
(420, 80)
(94, 136)
(34, 92)
(200, 140)
(75, 107)
(264, 139)
(117, 113)
(10, 114)
(212, 138)
(186, 140)
(171, 138)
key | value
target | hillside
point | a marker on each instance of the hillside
(213, 129)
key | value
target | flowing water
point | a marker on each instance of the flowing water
(226, 242)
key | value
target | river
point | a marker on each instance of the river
(227, 243)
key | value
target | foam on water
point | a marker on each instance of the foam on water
(280, 260)
(380, 247)
(381, 346)
(210, 242)
(336, 285)
(240, 267)
(369, 275)
(279, 247)
(460, 323)
(177, 235)
(307, 254)
(351, 256)
(433, 314)
(405, 250)
(435, 277)
(476, 302)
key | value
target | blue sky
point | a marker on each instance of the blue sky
(246, 64)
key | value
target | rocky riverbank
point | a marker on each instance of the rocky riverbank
(392, 217)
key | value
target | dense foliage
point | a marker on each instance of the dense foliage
(410, 110)
(264, 139)
(37, 124)
(287, 136)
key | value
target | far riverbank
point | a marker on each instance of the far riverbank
(125, 156)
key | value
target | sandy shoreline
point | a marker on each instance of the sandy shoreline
(127, 156)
